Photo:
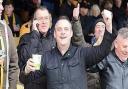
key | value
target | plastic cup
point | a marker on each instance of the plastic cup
(37, 60)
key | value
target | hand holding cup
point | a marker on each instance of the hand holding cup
(36, 58)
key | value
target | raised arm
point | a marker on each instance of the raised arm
(78, 37)
(95, 54)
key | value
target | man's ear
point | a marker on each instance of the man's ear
(50, 18)
(54, 34)
(71, 33)
(115, 43)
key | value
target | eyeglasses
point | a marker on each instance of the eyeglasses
(46, 18)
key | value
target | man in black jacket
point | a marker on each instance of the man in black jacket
(64, 66)
(40, 40)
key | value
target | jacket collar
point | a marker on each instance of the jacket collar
(70, 52)
(126, 62)
(47, 35)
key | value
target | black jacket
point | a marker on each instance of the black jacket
(68, 71)
(34, 43)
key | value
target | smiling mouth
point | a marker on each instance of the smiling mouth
(44, 26)
(62, 37)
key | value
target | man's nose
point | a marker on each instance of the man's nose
(43, 21)
(100, 29)
(62, 31)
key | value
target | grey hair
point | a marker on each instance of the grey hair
(63, 18)
(43, 8)
(96, 8)
(123, 32)
(40, 8)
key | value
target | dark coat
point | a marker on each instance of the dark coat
(34, 43)
(113, 72)
(68, 71)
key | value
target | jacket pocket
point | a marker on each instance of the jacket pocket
(74, 69)
(52, 72)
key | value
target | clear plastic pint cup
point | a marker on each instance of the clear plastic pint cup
(37, 60)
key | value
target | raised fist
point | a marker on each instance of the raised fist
(107, 16)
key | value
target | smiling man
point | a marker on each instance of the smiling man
(64, 66)
(63, 34)
(41, 39)
(113, 69)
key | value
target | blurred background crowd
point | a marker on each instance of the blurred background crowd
(20, 13)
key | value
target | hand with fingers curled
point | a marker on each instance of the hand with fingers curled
(35, 24)
(76, 12)
(107, 16)
(29, 66)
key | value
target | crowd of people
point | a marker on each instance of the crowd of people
(83, 44)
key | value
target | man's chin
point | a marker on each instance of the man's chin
(61, 42)
(44, 30)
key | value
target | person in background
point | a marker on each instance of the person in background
(95, 11)
(98, 34)
(8, 55)
(125, 22)
(107, 4)
(39, 39)
(67, 7)
(94, 14)
(118, 13)
(86, 20)
(37, 2)
(113, 67)
(98, 30)
(11, 18)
